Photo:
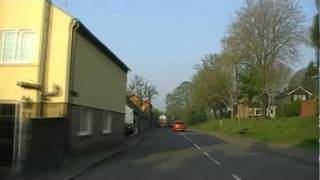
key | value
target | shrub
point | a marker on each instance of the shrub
(289, 110)
(196, 117)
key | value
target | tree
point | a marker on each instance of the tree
(308, 82)
(213, 86)
(156, 114)
(249, 83)
(142, 88)
(314, 33)
(297, 78)
(178, 102)
(264, 34)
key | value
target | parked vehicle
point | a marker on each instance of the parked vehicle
(179, 126)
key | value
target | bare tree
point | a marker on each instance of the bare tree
(142, 88)
(266, 33)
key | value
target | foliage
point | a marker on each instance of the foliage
(196, 116)
(297, 78)
(308, 82)
(156, 113)
(288, 132)
(213, 86)
(289, 110)
(261, 45)
(250, 83)
(266, 34)
(315, 33)
(142, 88)
(178, 103)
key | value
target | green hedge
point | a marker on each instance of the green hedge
(196, 117)
(289, 110)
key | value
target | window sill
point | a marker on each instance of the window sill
(18, 65)
(83, 135)
(106, 132)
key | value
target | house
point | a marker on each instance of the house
(52, 68)
(289, 96)
(142, 111)
(253, 109)
(310, 107)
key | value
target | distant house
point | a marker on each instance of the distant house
(141, 111)
(288, 96)
(55, 73)
(254, 110)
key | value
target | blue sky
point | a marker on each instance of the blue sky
(162, 40)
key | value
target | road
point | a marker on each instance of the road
(194, 156)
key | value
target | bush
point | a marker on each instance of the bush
(289, 110)
(196, 117)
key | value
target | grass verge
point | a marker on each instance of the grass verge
(281, 132)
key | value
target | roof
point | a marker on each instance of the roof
(133, 106)
(289, 92)
(299, 87)
(95, 41)
(315, 76)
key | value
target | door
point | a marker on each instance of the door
(7, 124)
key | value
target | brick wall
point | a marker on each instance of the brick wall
(96, 141)
(43, 144)
(308, 108)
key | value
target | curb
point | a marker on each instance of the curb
(98, 162)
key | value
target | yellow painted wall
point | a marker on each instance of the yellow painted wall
(58, 53)
(98, 80)
(28, 14)
(100, 83)
(17, 15)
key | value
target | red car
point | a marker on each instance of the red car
(179, 126)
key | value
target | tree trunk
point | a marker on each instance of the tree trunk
(264, 95)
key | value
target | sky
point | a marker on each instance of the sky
(162, 40)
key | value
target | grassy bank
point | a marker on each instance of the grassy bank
(285, 132)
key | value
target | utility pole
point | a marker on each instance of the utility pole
(237, 91)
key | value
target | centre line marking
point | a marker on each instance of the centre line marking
(236, 177)
(196, 146)
(217, 162)
(205, 153)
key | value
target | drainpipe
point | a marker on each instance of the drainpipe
(74, 25)
(44, 53)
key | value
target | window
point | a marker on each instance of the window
(257, 112)
(107, 123)
(299, 97)
(86, 119)
(17, 47)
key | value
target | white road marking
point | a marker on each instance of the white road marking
(196, 146)
(209, 156)
(217, 162)
(214, 160)
(235, 176)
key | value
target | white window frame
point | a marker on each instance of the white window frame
(85, 123)
(19, 39)
(299, 97)
(107, 123)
